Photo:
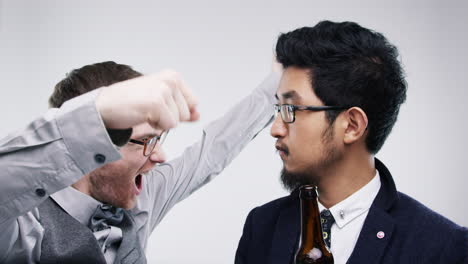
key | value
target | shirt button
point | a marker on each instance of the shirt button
(99, 158)
(40, 192)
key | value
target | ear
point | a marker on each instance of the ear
(356, 125)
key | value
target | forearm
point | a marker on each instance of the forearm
(228, 135)
(53, 152)
(221, 142)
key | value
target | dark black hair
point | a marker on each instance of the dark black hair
(88, 78)
(349, 66)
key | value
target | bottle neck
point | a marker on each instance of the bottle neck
(311, 234)
(312, 247)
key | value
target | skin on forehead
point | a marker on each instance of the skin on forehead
(145, 131)
(295, 88)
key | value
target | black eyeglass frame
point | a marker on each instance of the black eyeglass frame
(148, 142)
(294, 108)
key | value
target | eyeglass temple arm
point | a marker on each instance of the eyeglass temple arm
(318, 108)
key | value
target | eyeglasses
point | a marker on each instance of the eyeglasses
(150, 143)
(288, 111)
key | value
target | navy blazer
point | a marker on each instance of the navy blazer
(413, 232)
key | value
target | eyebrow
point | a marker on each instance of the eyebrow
(289, 95)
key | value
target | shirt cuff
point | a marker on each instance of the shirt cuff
(84, 133)
(269, 86)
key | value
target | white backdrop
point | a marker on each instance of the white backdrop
(224, 49)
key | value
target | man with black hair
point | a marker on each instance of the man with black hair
(338, 99)
(80, 185)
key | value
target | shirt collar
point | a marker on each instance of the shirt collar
(77, 204)
(358, 203)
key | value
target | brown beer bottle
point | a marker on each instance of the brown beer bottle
(312, 247)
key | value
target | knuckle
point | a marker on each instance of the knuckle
(172, 77)
(171, 72)
(164, 89)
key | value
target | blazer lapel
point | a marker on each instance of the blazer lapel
(374, 237)
(286, 236)
(379, 225)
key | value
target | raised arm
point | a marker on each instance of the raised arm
(58, 148)
(222, 140)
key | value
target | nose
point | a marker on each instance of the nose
(158, 155)
(278, 128)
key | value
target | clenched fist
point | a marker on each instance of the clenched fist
(161, 100)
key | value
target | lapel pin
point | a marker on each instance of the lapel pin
(380, 235)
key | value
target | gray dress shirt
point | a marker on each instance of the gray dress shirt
(57, 149)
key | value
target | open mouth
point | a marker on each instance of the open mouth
(138, 183)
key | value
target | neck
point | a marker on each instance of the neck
(346, 177)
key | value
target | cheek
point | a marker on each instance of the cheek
(306, 140)
(111, 174)
(114, 177)
(130, 151)
(132, 158)
(307, 147)
(112, 184)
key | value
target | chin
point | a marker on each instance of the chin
(293, 179)
(130, 204)
(124, 204)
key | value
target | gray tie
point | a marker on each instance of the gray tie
(105, 215)
(130, 250)
(327, 222)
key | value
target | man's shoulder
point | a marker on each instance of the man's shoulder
(263, 220)
(269, 212)
(276, 205)
(416, 212)
(429, 234)
(415, 221)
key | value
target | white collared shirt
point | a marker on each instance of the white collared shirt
(350, 215)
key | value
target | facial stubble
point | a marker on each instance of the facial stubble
(313, 173)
